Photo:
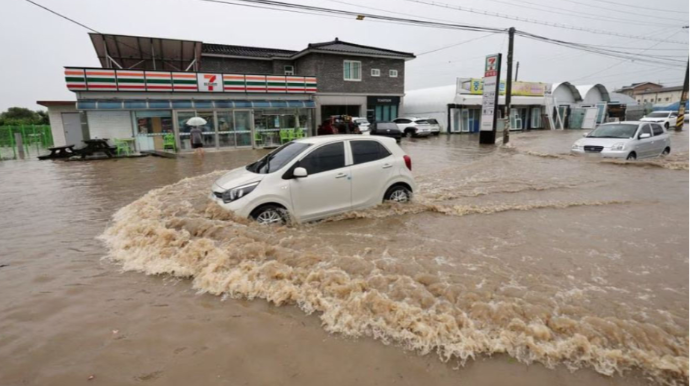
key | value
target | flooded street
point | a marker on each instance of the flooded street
(520, 265)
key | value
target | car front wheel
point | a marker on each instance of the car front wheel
(398, 193)
(632, 156)
(269, 215)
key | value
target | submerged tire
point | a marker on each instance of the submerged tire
(631, 157)
(398, 193)
(666, 151)
(270, 215)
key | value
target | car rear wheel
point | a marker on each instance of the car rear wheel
(398, 193)
(666, 125)
(269, 215)
(409, 133)
(632, 156)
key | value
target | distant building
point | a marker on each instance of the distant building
(637, 88)
(660, 96)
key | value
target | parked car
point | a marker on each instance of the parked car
(312, 178)
(628, 140)
(413, 127)
(386, 129)
(664, 118)
(362, 123)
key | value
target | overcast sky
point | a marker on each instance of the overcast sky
(36, 44)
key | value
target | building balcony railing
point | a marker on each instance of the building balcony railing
(81, 79)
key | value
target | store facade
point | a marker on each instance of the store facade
(241, 111)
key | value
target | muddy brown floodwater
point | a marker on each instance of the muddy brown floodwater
(514, 266)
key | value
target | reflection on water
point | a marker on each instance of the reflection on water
(522, 250)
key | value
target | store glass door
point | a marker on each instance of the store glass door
(208, 130)
(244, 127)
(226, 129)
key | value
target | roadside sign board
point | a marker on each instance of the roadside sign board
(492, 72)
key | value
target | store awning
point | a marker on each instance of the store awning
(186, 104)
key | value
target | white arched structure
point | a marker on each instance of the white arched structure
(565, 93)
(430, 103)
(593, 94)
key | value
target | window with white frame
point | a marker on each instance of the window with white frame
(393, 73)
(289, 70)
(352, 70)
(375, 72)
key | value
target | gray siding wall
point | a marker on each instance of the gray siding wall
(328, 69)
(239, 66)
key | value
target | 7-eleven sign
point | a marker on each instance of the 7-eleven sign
(210, 82)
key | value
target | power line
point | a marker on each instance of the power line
(454, 45)
(621, 11)
(62, 16)
(534, 21)
(635, 6)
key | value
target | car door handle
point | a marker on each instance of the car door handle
(386, 166)
(341, 175)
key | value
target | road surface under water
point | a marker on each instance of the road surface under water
(517, 265)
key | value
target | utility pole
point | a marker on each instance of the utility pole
(683, 96)
(509, 87)
(517, 69)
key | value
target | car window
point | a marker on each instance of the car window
(657, 129)
(645, 130)
(421, 121)
(386, 126)
(367, 151)
(400, 120)
(325, 158)
(277, 158)
(432, 121)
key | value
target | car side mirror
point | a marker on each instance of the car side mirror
(299, 172)
(644, 135)
(585, 134)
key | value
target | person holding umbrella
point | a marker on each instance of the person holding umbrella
(196, 135)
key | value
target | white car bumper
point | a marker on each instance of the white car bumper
(606, 153)
(240, 206)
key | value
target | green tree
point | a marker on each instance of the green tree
(22, 116)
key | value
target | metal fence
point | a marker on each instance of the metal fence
(34, 139)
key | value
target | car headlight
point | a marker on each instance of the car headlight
(233, 194)
(576, 146)
(618, 146)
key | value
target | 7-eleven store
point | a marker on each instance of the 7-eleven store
(241, 110)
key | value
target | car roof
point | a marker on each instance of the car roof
(342, 137)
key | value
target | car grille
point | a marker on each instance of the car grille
(594, 149)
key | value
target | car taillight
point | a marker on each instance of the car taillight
(408, 161)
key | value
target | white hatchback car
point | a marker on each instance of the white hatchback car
(629, 140)
(664, 118)
(312, 178)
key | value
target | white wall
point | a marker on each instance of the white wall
(109, 124)
(56, 128)
(563, 94)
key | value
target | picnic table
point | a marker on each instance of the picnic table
(99, 145)
(59, 152)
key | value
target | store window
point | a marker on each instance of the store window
(352, 70)
(208, 130)
(289, 70)
(151, 128)
(375, 72)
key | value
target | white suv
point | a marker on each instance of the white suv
(312, 178)
(664, 118)
(413, 127)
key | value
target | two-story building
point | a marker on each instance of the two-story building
(147, 88)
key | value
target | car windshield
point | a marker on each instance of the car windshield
(613, 131)
(658, 114)
(277, 158)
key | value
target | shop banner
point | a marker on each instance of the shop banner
(492, 69)
(519, 88)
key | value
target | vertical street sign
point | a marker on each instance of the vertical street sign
(492, 75)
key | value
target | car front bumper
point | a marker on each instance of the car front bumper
(606, 153)
(239, 206)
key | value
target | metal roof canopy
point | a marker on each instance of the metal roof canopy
(146, 53)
